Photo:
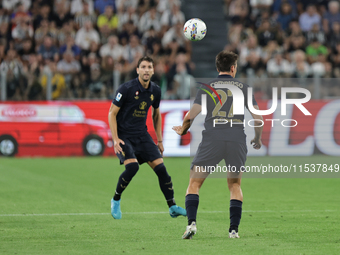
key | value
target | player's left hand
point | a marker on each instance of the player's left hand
(160, 147)
(179, 130)
(256, 143)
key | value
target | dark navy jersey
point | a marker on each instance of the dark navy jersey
(134, 102)
(220, 116)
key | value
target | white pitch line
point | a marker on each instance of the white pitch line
(211, 212)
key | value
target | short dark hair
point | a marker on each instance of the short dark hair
(145, 58)
(225, 60)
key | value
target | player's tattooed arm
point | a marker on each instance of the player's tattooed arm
(188, 119)
(157, 124)
(258, 127)
(113, 126)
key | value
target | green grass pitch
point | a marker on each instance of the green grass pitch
(62, 206)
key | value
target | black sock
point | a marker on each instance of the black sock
(165, 184)
(171, 202)
(235, 214)
(191, 205)
(124, 179)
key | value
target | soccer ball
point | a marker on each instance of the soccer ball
(195, 29)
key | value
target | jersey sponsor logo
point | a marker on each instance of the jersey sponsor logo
(137, 93)
(151, 97)
(118, 97)
(143, 105)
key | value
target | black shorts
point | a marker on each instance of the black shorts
(140, 147)
(211, 152)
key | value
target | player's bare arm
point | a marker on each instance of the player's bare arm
(157, 124)
(113, 126)
(188, 119)
(258, 123)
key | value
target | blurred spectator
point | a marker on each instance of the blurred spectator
(77, 6)
(315, 49)
(250, 46)
(277, 6)
(149, 39)
(315, 33)
(107, 67)
(300, 67)
(3, 33)
(334, 35)
(321, 67)
(108, 19)
(124, 17)
(44, 14)
(84, 15)
(20, 15)
(159, 76)
(336, 60)
(85, 35)
(61, 15)
(2, 49)
(100, 5)
(150, 18)
(132, 49)
(269, 51)
(4, 18)
(238, 10)
(266, 34)
(296, 39)
(333, 15)
(259, 6)
(44, 30)
(309, 18)
(278, 66)
(128, 30)
(123, 5)
(172, 17)
(285, 16)
(112, 48)
(254, 65)
(66, 31)
(265, 15)
(26, 51)
(179, 79)
(22, 31)
(47, 51)
(68, 66)
(96, 87)
(175, 35)
(70, 45)
(57, 82)
(9, 5)
(13, 69)
(32, 73)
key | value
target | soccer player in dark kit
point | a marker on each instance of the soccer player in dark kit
(227, 141)
(132, 142)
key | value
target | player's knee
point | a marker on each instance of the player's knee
(161, 172)
(234, 185)
(130, 171)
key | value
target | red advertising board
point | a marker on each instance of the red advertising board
(81, 128)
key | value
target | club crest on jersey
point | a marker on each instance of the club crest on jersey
(151, 97)
(143, 105)
(118, 97)
(137, 93)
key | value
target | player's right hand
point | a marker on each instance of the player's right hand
(256, 143)
(179, 130)
(116, 145)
